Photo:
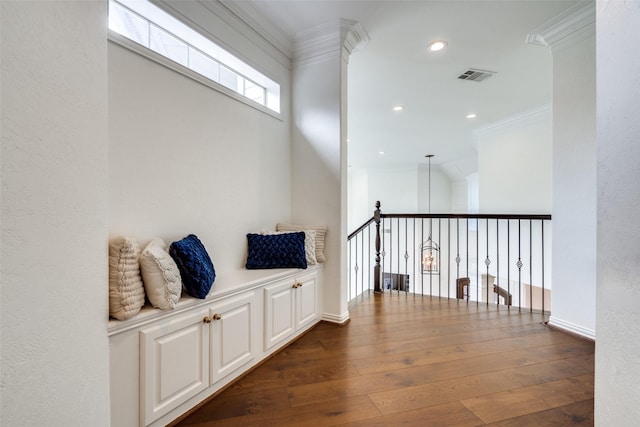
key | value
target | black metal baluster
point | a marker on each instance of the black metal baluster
(449, 250)
(457, 249)
(421, 255)
(477, 261)
(414, 258)
(530, 266)
(509, 262)
(497, 284)
(542, 244)
(440, 264)
(487, 261)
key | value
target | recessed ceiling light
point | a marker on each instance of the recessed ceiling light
(348, 140)
(437, 45)
(381, 152)
(398, 108)
(471, 116)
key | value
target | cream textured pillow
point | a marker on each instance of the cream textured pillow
(321, 231)
(160, 275)
(126, 292)
(309, 244)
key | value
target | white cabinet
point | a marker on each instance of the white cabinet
(290, 305)
(163, 363)
(175, 363)
(194, 351)
(233, 335)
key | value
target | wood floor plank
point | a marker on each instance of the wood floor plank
(417, 375)
(421, 396)
(528, 400)
(452, 414)
(414, 361)
(381, 363)
(577, 414)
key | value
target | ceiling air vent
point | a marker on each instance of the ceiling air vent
(476, 75)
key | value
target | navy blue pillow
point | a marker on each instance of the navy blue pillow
(276, 251)
(196, 268)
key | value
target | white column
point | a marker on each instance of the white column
(319, 152)
(571, 38)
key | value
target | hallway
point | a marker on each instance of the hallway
(405, 360)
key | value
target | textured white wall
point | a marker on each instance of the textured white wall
(574, 188)
(359, 210)
(54, 214)
(514, 164)
(395, 188)
(399, 190)
(440, 190)
(618, 175)
(184, 158)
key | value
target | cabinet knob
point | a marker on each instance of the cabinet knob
(295, 285)
(206, 319)
(217, 317)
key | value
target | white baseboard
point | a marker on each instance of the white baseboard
(333, 318)
(572, 328)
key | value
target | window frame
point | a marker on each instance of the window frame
(130, 44)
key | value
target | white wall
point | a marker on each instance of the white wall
(459, 197)
(395, 188)
(514, 164)
(54, 214)
(440, 190)
(359, 210)
(574, 188)
(184, 158)
(400, 189)
(618, 200)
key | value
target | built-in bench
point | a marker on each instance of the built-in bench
(163, 363)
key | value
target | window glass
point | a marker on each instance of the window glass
(147, 25)
(168, 45)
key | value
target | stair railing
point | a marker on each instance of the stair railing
(484, 258)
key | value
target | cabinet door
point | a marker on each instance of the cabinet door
(232, 332)
(175, 363)
(306, 300)
(279, 312)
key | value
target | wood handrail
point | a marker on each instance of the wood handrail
(362, 227)
(470, 216)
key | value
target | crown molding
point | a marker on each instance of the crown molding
(535, 115)
(253, 15)
(575, 24)
(201, 13)
(328, 40)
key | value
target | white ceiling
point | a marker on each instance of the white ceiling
(394, 68)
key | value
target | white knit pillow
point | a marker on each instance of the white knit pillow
(321, 231)
(126, 292)
(160, 275)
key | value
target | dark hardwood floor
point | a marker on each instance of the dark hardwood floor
(417, 361)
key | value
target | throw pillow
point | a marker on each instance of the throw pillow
(321, 232)
(309, 244)
(196, 268)
(276, 251)
(126, 292)
(160, 275)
